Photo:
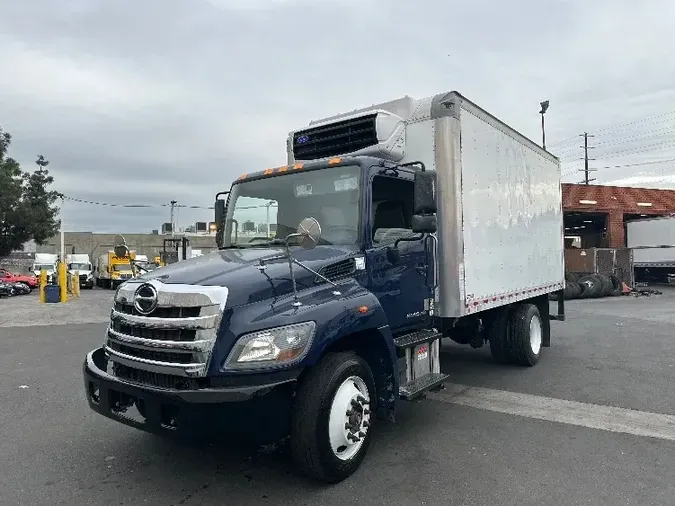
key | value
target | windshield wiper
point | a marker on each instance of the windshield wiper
(271, 242)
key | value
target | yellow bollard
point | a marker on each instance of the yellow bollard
(76, 284)
(63, 282)
(43, 284)
(69, 286)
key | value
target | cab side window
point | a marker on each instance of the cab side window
(392, 209)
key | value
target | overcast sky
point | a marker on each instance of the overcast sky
(142, 102)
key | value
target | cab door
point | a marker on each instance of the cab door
(398, 270)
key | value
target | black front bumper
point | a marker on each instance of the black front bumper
(254, 409)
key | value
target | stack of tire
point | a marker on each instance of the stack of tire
(587, 286)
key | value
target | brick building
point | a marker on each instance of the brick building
(597, 214)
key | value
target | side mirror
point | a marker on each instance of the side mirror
(425, 192)
(424, 212)
(219, 208)
(424, 224)
(219, 217)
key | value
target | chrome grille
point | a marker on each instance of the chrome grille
(174, 341)
(160, 312)
(162, 334)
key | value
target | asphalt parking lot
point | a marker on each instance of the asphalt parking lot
(497, 435)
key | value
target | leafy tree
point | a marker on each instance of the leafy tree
(27, 206)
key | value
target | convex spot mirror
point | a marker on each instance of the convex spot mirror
(310, 232)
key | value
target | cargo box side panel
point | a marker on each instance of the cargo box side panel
(654, 257)
(512, 209)
(652, 232)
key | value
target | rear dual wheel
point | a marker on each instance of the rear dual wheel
(516, 335)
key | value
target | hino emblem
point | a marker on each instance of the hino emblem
(145, 299)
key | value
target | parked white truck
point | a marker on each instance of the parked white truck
(46, 262)
(80, 264)
(397, 225)
(653, 243)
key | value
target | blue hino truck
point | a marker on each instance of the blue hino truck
(335, 279)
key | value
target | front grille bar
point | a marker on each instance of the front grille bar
(172, 368)
(190, 323)
(201, 345)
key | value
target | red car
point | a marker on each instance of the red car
(9, 277)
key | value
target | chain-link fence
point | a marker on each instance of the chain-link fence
(617, 261)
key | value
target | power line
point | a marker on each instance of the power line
(176, 206)
(637, 164)
(621, 126)
(639, 137)
(564, 141)
(639, 149)
(93, 202)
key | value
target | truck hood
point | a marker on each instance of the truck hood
(237, 269)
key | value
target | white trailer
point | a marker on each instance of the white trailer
(653, 243)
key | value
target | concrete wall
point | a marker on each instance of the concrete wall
(97, 244)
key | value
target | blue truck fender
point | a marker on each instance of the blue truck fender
(357, 322)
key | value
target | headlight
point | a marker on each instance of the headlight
(270, 347)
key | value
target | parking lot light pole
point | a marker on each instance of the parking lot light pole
(544, 108)
(63, 246)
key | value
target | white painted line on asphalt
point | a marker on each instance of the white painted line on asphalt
(594, 416)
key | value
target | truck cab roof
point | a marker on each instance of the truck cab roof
(363, 161)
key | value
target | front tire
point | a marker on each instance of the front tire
(332, 417)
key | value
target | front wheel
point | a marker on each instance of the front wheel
(332, 417)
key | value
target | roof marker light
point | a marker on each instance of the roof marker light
(644, 204)
(334, 161)
(588, 202)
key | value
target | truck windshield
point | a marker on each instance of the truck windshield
(43, 267)
(75, 266)
(267, 210)
(121, 267)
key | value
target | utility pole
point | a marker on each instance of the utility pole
(173, 225)
(586, 147)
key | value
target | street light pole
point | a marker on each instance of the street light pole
(62, 233)
(544, 108)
